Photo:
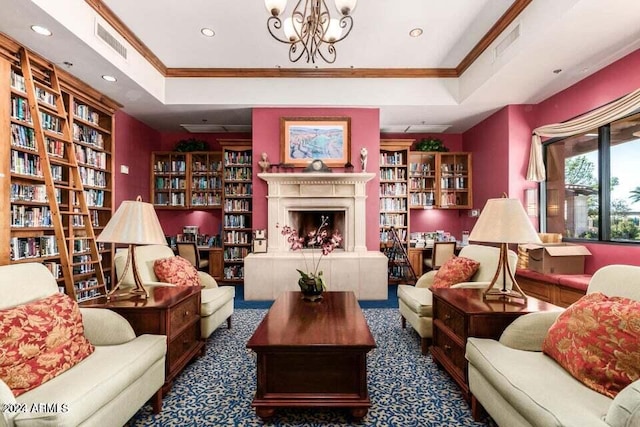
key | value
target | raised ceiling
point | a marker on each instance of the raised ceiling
(473, 58)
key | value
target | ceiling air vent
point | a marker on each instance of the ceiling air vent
(210, 128)
(111, 40)
(506, 42)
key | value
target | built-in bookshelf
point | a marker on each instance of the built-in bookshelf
(205, 189)
(440, 180)
(237, 221)
(423, 187)
(394, 203)
(43, 194)
(169, 179)
(186, 180)
(455, 181)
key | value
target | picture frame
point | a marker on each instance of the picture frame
(304, 139)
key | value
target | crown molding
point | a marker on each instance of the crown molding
(494, 32)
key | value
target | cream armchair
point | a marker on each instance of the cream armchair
(415, 302)
(216, 301)
(519, 385)
(106, 388)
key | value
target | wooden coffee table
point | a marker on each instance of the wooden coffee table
(312, 354)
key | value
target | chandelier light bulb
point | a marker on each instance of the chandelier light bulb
(290, 30)
(346, 6)
(333, 32)
(275, 7)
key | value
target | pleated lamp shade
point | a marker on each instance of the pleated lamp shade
(504, 221)
(134, 223)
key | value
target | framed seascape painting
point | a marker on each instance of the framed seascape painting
(303, 139)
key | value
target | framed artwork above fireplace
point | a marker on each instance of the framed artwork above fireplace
(303, 139)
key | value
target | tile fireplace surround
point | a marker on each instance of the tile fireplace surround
(352, 269)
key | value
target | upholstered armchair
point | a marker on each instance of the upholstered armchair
(106, 388)
(216, 301)
(415, 302)
(520, 385)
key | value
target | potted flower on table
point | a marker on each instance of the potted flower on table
(311, 282)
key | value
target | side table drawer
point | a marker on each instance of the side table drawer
(452, 351)
(181, 345)
(451, 318)
(182, 314)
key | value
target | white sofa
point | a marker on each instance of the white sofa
(105, 389)
(415, 302)
(216, 302)
(518, 385)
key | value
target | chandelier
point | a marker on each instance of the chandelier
(310, 31)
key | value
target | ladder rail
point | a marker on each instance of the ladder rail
(73, 187)
(77, 181)
(399, 249)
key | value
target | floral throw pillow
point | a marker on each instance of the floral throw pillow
(597, 340)
(176, 270)
(39, 341)
(455, 270)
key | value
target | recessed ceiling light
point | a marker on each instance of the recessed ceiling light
(416, 32)
(41, 30)
(109, 78)
(208, 32)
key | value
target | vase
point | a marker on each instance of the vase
(311, 288)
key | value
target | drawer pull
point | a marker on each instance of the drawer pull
(186, 313)
(447, 317)
(447, 347)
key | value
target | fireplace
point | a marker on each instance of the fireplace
(299, 200)
(317, 192)
(308, 221)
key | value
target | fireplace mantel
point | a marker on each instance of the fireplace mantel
(317, 177)
(317, 191)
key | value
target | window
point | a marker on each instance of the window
(578, 203)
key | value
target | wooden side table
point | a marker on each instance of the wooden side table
(461, 313)
(170, 311)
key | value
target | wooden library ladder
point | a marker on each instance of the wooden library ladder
(400, 268)
(76, 240)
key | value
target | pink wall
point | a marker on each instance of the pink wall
(610, 83)
(502, 165)
(488, 141)
(426, 220)
(365, 132)
(134, 143)
(521, 118)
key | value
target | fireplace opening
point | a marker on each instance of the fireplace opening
(307, 222)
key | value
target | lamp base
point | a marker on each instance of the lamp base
(139, 290)
(503, 266)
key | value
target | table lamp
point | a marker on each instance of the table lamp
(134, 223)
(504, 221)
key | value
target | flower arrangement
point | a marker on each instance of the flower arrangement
(312, 281)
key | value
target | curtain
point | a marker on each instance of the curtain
(596, 118)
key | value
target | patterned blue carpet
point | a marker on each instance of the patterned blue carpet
(406, 388)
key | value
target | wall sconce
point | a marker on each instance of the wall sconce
(553, 204)
(531, 201)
